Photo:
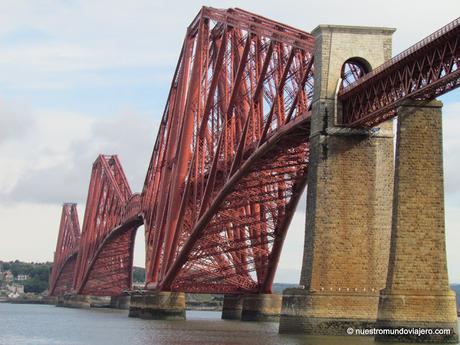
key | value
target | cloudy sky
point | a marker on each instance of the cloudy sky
(79, 78)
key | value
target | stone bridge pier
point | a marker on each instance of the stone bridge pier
(417, 293)
(357, 210)
(349, 197)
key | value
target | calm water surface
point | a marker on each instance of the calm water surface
(23, 324)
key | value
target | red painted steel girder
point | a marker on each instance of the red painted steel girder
(62, 272)
(238, 240)
(104, 263)
(230, 160)
(241, 83)
(425, 71)
(110, 271)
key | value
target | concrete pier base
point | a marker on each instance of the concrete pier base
(120, 302)
(83, 301)
(232, 307)
(327, 313)
(261, 307)
(434, 315)
(74, 301)
(162, 305)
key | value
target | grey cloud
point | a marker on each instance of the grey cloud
(14, 122)
(150, 33)
(451, 170)
(451, 141)
(130, 135)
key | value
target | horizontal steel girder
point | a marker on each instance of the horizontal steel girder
(425, 71)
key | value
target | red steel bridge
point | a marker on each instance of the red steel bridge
(231, 157)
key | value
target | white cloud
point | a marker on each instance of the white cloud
(53, 164)
(451, 141)
(37, 237)
(15, 122)
(73, 39)
(28, 231)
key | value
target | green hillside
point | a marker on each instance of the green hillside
(38, 274)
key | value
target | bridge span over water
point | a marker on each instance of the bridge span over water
(258, 110)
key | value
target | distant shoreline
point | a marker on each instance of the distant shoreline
(203, 308)
(53, 301)
(45, 300)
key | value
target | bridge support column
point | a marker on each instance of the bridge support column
(74, 301)
(158, 305)
(347, 237)
(417, 294)
(261, 307)
(83, 301)
(350, 177)
(120, 302)
(232, 307)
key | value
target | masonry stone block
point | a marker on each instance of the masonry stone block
(261, 307)
(158, 305)
(120, 302)
(417, 293)
(82, 301)
(348, 199)
(232, 307)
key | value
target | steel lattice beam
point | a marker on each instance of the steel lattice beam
(240, 79)
(62, 272)
(425, 71)
(104, 263)
(230, 159)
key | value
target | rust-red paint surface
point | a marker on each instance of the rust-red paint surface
(230, 159)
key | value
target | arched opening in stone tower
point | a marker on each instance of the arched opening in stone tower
(353, 69)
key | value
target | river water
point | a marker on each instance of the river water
(25, 324)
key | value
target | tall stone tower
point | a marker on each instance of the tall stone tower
(349, 198)
(417, 293)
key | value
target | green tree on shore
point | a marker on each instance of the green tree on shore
(38, 274)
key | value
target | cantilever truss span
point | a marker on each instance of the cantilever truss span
(105, 259)
(230, 159)
(228, 166)
(65, 256)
